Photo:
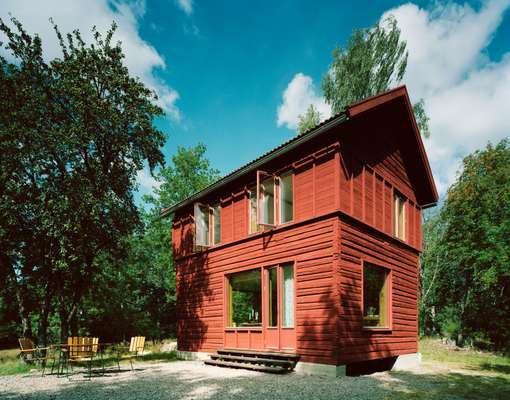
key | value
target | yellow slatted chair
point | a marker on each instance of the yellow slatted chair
(30, 353)
(135, 349)
(82, 349)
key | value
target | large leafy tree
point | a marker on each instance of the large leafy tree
(146, 271)
(74, 132)
(470, 243)
(373, 61)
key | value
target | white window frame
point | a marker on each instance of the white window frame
(197, 211)
(261, 178)
(280, 201)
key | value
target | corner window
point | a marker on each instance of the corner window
(244, 299)
(376, 302)
(216, 215)
(286, 199)
(399, 216)
(201, 225)
(207, 225)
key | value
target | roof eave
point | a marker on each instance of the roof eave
(325, 126)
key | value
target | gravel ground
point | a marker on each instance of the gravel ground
(194, 380)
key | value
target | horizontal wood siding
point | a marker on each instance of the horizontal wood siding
(200, 291)
(355, 344)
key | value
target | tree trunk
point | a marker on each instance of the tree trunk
(43, 322)
(64, 326)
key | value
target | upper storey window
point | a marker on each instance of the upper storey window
(286, 198)
(207, 225)
(399, 216)
(264, 209)
(266, 191)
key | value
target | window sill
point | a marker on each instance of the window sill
(244, 328)
(376, 329)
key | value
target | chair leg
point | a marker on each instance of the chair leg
(43, 367)
(131, 362)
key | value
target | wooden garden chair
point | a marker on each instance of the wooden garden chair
(30, 353)
(82, 350)
(135, 349)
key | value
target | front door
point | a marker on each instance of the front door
(279, 305)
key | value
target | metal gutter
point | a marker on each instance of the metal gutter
(325, 126)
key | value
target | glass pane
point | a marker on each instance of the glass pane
(267, 202)
(288, 296)
(401, 219)
(375, 296)
(272, 290)
(245, 306)
(202, 226)
(286, 204)
(217, 224)
(253, 210)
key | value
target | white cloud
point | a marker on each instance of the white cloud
(146, 181)
(466, 94)
(142, 59)
(186, 6)
(297, 97)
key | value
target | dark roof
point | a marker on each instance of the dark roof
(324, 126)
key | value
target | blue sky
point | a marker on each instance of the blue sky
(235, 74)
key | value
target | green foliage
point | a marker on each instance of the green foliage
(140, 276)
(74, 132)
(310, 120)
(373, 61)
(472, 253)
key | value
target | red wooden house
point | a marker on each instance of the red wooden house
(312, 248)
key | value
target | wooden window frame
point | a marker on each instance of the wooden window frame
(212, 227)
(280, 203)
(261, 177)
(399, 200)
(228, 300)
(197, 207)
(389, 293)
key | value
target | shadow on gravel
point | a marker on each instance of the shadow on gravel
(217, 383)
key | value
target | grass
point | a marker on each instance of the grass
(452, 373)
(433, 350)
(10, 363)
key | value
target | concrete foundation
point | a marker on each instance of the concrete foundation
(192, 355)
(406, 362)
(333, 371)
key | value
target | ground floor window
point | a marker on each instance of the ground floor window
(245, 299)
(375, 296)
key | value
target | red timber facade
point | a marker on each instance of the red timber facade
(330, 269)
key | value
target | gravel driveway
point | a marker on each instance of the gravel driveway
(194, 380)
